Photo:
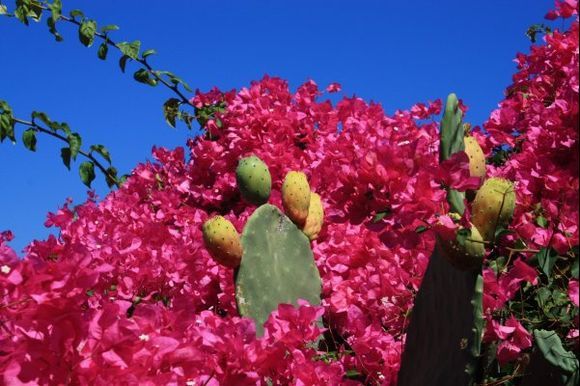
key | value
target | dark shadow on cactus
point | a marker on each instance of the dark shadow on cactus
(439, 337)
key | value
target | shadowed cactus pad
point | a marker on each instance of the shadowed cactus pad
(296, 196)
(277, 266)
(315, 218)
(254, 180)
(476, 157)
(493, 206)
(222, 241)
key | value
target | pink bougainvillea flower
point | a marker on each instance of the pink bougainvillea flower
(334, 87)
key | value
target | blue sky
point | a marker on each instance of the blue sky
(395, 53)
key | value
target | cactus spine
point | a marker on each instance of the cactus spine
(315, 217)
(493, 206)
(222, 241)
(254, 180)
(296, 196)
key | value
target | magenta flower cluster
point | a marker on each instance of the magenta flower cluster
(128, 291)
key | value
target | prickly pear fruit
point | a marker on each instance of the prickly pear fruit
(493, 206)
(315, 217)
(296, 196)
(476, 157)
(222, 241)
(254, 180)
(466, 256)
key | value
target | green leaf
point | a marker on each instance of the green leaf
(501, 232)
(76, 13)
(51, 22)
(74, 142)
(3, 9)
(7, 127)
(109, 27)
(170, 111)
(123, 62)
(87, 172)
(55, 9)
(42, 116)
(379, 216)
(546, 259)
(148, 53)
(130, 49)
(352, 373)
(550, 345)
(87, 31)
(541, 221)
(574, 269)
(21, 14)
(102, 150)
(66, 156)
(142, 76)
(111, 176)
(29, 139)
(174, 79)
(102, 51)
(421, 229)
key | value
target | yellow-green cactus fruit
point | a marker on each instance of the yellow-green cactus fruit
(493, 206)
(296, 196)
(476, 157)
(467, 256)
(315, 217)
(222, 241)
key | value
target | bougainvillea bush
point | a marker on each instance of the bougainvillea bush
(127, 291)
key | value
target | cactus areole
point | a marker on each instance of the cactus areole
(254, 180)
(277, 266)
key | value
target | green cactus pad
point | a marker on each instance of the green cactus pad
(254, 180)
(452, 133)
(277, 266)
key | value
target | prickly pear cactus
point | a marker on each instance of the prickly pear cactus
(493, 206)
(222, 241)
(254, 180)
(296, 196)
(452, 134)
(476, 157)
(277, 266)
(315, 218)
(466, 251)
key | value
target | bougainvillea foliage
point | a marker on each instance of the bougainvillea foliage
(128, 291)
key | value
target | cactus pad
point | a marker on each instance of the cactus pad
(296, 196)
(315, 218)
(493, 206)
(277, 266)
(254, 180)
(476, 157)
(452, 133)
(222, 241)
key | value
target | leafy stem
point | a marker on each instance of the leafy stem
(110, 173)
